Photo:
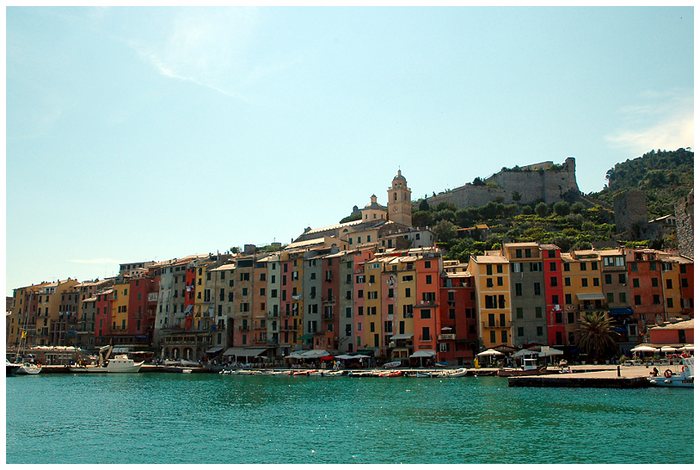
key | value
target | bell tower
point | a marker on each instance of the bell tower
(399, 201)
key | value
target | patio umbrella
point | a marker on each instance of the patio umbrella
(688, 347)
(668, 349)
(643, 348)
(490, 352)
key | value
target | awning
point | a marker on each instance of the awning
(348, 357)
(423, 353)
(621, 311)
(401, 336)
(315, 354)
(188, 309)
(242, 352)
(214, 350)
(590, 296)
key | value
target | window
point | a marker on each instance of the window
(540, 331)
(654, 282)
(553, 281)
(633, 267)
(623, 297)
(567, 267)
(555, 299)
(425, 313)
(584, 282)
(567, 281)
(669, 302)
(521, 331)
(537, 287)
(596, 281)
(538, 312)
(669, 284)
(637, 300)
(608, 279)
(489, 282)
(552, 266)
(594, 265)
(657, 299)
(499, 281)
(611, 297)
(408, 292)
(518, 289)
(426, 333)
(519, 314)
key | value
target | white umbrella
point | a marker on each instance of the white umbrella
(490, 352)
(688, 347)
(668, 349)
(525, 352)
(644, 349)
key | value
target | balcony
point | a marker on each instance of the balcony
(426, 304)
(329, 301)
(244, 328)
(273, 315)
(447, 337)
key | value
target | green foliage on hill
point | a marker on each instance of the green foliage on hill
(664, 176)
(570, 226)
(351, 217)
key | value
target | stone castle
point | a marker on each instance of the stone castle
(520, 185)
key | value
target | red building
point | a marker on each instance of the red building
(330, 305)
(646, 287)
(553, 294)
(103, 316)
(141, 316)
(458, 339)
(427, 309)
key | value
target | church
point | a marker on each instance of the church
(386, 227)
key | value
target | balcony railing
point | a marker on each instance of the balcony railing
(497, 324)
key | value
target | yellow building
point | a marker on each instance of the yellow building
(583, 289)
(120, 307)
(369, 314)
(671, 282)
(493, 298)
(50, 326)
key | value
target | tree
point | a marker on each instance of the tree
(596, 335)
(445, 214)
(445, 230)
(423, 205)
(577, 207)
(541, 209)
(422, 219)
(562, 208)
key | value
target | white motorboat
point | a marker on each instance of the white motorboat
(119, 364)
(683, 379)
(392, 365)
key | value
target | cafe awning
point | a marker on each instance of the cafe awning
(214, 350)
(423, 353)
(401, 336)
(242, 352)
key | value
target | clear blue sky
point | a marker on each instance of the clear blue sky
(151, 133)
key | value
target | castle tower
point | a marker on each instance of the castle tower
(399, 201)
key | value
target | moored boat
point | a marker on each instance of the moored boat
(683, 379)
(28, 368)
(11, 368)
(119, 364)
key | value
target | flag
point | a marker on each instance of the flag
(24, 334)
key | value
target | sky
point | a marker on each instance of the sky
(137, 133)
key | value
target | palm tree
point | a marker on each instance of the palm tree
(596, 335)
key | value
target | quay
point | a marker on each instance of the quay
(591, 377)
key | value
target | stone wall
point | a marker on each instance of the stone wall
(631, 213)
(539, 182)
(684, 225)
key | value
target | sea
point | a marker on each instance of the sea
(150, 418)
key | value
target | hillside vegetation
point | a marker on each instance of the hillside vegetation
(664, 176)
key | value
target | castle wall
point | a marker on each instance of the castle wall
(548, 185)
(684, 225)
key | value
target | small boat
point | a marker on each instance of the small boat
(454, 373)
(186, 371)
(393, 373)
(28, 368)
(684, 379)
(392, 364)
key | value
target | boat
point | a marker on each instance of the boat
(11, 368)
(529, 367)
(28, 368)
(454, 373)
(181, 363)
(392, 364)
(683, 379)
(119, 364)
(392, 373)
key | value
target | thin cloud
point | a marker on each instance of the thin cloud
(665, 124)
(208, 48)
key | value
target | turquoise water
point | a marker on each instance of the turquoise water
(203, 418)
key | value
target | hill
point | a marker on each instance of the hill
(664, 176)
